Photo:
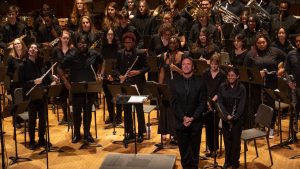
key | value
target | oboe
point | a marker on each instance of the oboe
(129, 69)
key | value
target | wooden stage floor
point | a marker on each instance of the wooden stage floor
(75, 158)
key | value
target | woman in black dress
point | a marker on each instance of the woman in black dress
(79, 10)
(170, 67)
(237, 56)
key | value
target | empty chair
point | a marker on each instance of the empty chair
(263, 118)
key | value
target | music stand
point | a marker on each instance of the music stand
(250, 76)
(115, 90)
(85, 88)
(153, 63)
(19, 108)
(50, 91)
(280, 97)
(132, 91)
(200, 66)
(216, 109)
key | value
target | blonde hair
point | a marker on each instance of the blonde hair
(74, 14)
(14, 53)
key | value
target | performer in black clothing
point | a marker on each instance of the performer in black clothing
(266, 59)
(109, 51)
(10, 31)
(64, 48)
(292, 67)
(253, 26)
(269, 6)
(282, 42)
(232, 100)
(237, 56)
(30, 74)
(212, 77)
(188, 101)
(81, 63)
(80, 9)
(135, 76)
(87, 27)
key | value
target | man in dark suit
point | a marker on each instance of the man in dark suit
(135, 76)
(188, 102)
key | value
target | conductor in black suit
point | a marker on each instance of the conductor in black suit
(188, 102)
(135, 76)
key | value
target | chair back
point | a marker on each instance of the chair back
(264, 115)
(18, 96)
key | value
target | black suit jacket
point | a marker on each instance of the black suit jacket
(125, 61)
(190, 103)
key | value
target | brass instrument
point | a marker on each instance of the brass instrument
(227, 16)
(258, 10)
(191, 8)
(54, 42)
(93, 46)
(158, 10)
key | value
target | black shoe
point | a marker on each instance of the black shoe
(32, 146)
(108, 121)
(129, 137)
(76, 139)
(225, 166)
(140, 138)
(42, 143)
(173, 142)
(118, 121)
(89, 138)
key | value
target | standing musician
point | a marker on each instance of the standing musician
(64, 48)
(213, 77)
(135, 76)
(292, 67)
(30, 74)
(188, 101)
(170, 65)
(232, 100)
(82, 63)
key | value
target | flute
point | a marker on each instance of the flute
(42, 77)
(129, 69)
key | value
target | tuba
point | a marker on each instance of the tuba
(227, 16)
(258, 10)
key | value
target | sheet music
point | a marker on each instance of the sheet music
(137, 99)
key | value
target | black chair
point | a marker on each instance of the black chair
(263, 118)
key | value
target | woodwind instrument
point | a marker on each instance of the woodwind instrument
(129, 69)
(93, 46)
(43, 76)
(54, 42)
(172, 58)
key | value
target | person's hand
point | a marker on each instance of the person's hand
(56, 79)
(110, 78)
(262, 73)
(133, 73)
(38, 81)
(229, 117)
(122, 78)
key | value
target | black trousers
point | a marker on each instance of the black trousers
(82, 102)
(189, 147)
(232, 141)
(110, 104)
(128, 121)
(37, 108)
(212, 130)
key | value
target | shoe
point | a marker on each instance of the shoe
(225, 166)
(271, 134)
(108, 121)
(89, 138)
(140, 138)
(173, 142)
(32, 146)
(129, 137)
(42, 143)
(118, 121)
(76, 139)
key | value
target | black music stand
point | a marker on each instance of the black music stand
(85, 88)
(280, 97)
(250, 76)
(18, 109)
(50, 91)
(200, 66)
(115, 90)
(216, 109)
(131, 91)
(153, 62)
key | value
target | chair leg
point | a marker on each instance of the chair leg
(255, 147)
(25, 133)
(221, 144)
(269, 150)
(245, 151)
(95, 124)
